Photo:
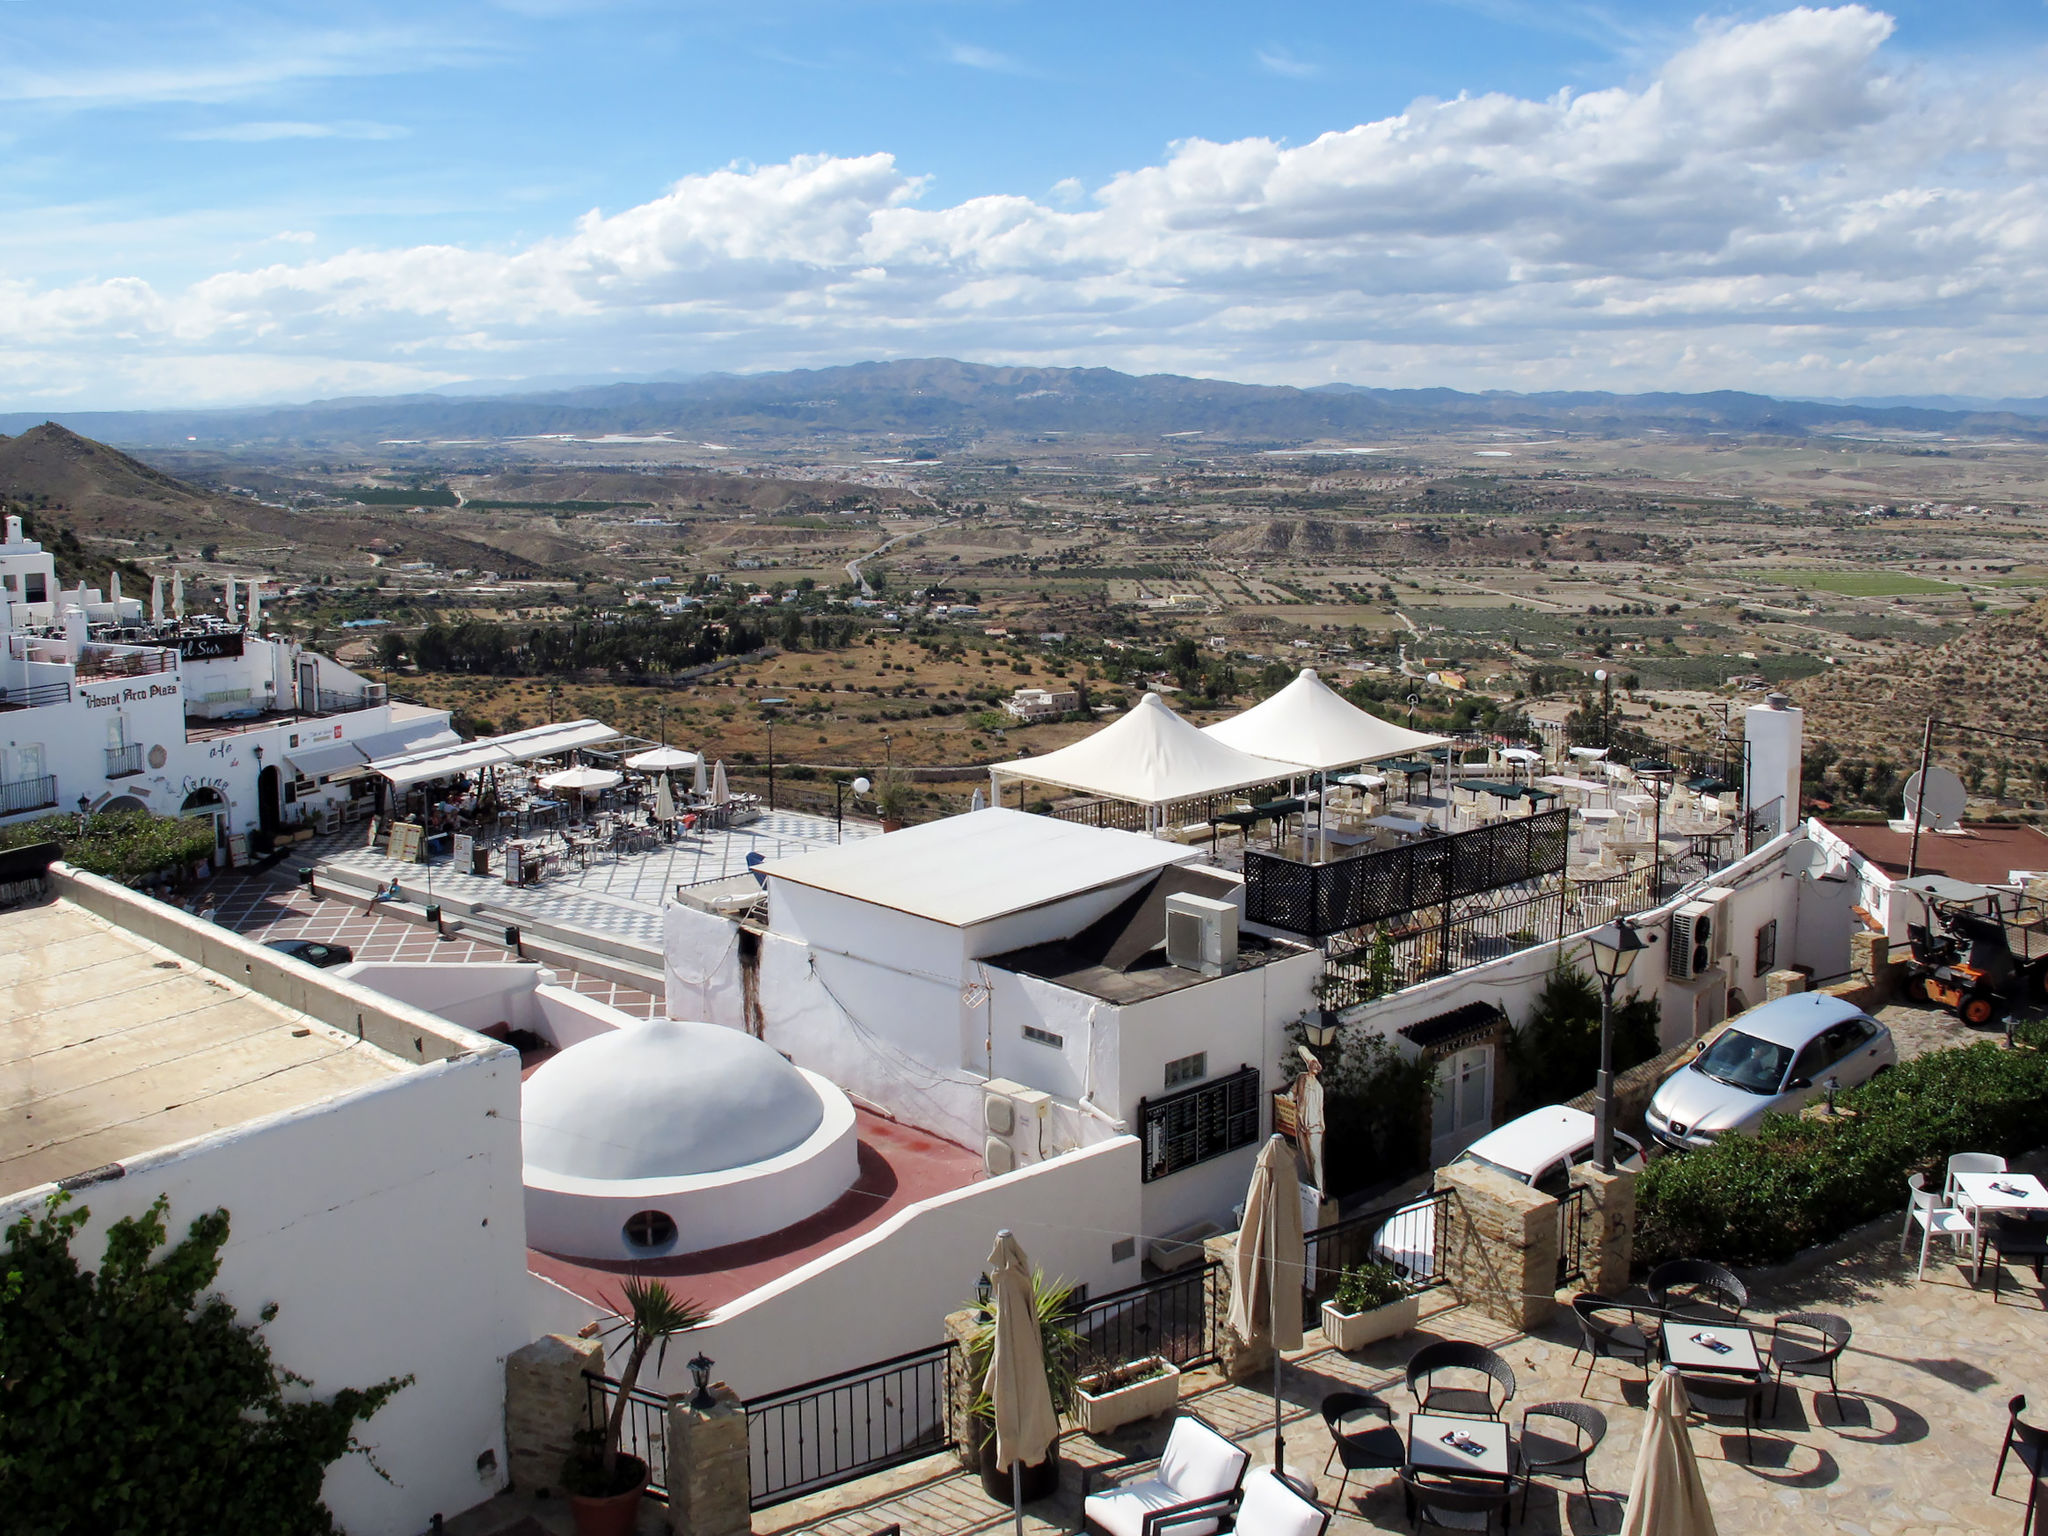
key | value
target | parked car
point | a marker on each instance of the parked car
(1771, 1058)
(312, 952)
(1540, 1149)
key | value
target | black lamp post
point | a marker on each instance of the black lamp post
(839, 789)
(768, 714)
(983, 1288)
(700, 1373)
(1659, 774)
(1614, 947)
(1606, 708)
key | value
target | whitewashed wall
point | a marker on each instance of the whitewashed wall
(387, 1224)
(481, 996)
(888, 1292)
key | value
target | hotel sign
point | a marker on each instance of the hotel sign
(209, 647)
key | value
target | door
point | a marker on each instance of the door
(1463, 1111)
(269, 796)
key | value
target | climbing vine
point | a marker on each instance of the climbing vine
(132, 1401)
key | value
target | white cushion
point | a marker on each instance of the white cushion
(1122, 1510)
(1198, 1462)
(1271, 1508)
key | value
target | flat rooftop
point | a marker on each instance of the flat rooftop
(1983, 853)
(111, 1047)
(981, 865)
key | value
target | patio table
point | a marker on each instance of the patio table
(1427, 1449)
(2021, 1194)
(1689, 1346)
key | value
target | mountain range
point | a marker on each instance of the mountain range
(943, 399)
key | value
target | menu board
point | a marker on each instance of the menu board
(406, 838)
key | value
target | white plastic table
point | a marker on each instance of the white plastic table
(1981, 1192)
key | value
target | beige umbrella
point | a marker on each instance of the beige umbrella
(699, 782)
(1266, 1269)
(1026, 1421)
(721, 792)
(1667, 1497)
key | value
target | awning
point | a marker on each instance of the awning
(493, 751)
(328, 758)
(1456, 1029)
(1309, 723)
(1151, 756)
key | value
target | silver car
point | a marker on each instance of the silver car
(1772, 1058)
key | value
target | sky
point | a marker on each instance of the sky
(217, 204)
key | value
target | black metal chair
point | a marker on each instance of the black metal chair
(2015, 1238)
(1563, 1452)
(1698, 1287)
(1733, 1397)
(1808, 1344)
(1370, 1447)
(1457, 1355)
(1607, 1338)
(2031, 1441)
(1439, 1499)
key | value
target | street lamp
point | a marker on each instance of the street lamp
(839, 788)
(768, 714)
(1614, 947)
(1659, 773)
(1606, 708)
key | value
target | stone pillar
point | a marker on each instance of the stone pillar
(1783, 984)
(709, 1485)
(1498, 1245)
(1870, 962)
(1607, 1235)
(545, 1405)
(1234, 1358)
(961, 1426)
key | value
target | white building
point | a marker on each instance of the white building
(199, 716)
(1028, 704)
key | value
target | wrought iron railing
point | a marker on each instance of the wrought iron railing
(28, 795)
(1408, 1234)
(327, 702)
(1317, 900)
(644, 1432)
(1176, 1315)
(1761, 823)
(123, 761)
(37, 696)
(1571, 1235)
(837, 1428)
(99, 661)
(1127, 817)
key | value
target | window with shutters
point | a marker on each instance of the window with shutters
(1197, 1124)
(1767, 947)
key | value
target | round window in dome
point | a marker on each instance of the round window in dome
(650, 1231)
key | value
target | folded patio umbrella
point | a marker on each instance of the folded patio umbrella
(664, 801)
(978, 803)
(1667, 1497)
(720, 790)
(700, 783)
(1026, 1422)
(1309, 1117)
(1266, 1269)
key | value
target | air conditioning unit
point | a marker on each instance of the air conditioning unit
(1718, 897)
(1201, 934)
(1011, 1114)
(374, 694)
(1695, 931)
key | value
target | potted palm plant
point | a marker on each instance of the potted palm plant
(892, 800)
(1371, 1304)
(1054, 1302)
(604, 1484)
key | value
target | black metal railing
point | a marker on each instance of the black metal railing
(1761, 823)
(328, 702)
(28, 795)
(1177, 1315)
(644, 1432)
(1571, 1235)
(1408, 1234)
(124, 761)
(1317, 900)
(1127, 817)
(1422, 945)
(837, 1428)
(38, 696)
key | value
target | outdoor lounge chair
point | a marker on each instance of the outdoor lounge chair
(1191, 1492)
(1272, 1506)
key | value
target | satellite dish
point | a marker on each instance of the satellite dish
(1941, 805)
(1809, 861)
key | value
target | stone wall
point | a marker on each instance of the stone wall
(545, 1405)
(1498, 1245)
(1607, 1231)
(709, 1486)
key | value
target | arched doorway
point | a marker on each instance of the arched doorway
(120, 804)
(212, 805)
(269, 800)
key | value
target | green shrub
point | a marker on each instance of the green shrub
(1760, 1199)
(1367, 1287)
(121, 845)
(1554, 1055)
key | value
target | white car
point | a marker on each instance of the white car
(1771, 1058)
(1540, 1150)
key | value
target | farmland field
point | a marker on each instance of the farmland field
(1859, 583)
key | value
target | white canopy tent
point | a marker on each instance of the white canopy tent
(1310, 724)
(1150, 757)
(661, 760)
(410, 768)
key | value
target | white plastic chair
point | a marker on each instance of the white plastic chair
(1970, 1162)
(1936, 1217)
(1192, 1492)
(1270, 1507)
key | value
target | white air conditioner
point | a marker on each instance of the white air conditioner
(1013, 1116)
(375, 693)
(1695, 929)
(1201, 934)
(1718, 897)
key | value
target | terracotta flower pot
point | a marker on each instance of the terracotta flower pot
(613, 1514)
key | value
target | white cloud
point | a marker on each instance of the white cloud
(972, 56)
(1281, 61)
(267, 132)
(1775, 206)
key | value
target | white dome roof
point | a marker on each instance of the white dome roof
(662, 1100)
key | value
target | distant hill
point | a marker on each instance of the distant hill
(940, 398)
(98, 485)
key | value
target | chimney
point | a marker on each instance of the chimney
(75, 630)
(14, 530)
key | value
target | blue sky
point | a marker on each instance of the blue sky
(229, 203)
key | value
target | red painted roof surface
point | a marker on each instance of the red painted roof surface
(1985, 853)
(899, 1166)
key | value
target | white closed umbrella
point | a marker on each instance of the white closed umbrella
(1667, 1496)
(662, 760)
(700, 783)
(721, 792)
(1026, 1421)
(1266, 1269)
(664, 800)
(978, 803)
(583, 780)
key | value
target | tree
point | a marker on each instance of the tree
(390, 650)
(135, 1401)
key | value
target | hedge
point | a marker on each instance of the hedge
(121, 845)
(1756, 1200)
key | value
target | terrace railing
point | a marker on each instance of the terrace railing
(644, 1433)
(36, 696)
(1178, 1315)
(21, 795)
(838, 1428)
(124, 762)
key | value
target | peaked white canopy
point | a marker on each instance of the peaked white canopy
(1310, 724)
(661, 760)
(1149, 757)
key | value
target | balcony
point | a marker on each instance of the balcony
(28, 795)
(126, 661)
(124, 762)
(37, 696)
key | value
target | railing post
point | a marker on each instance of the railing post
(709, 1473)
